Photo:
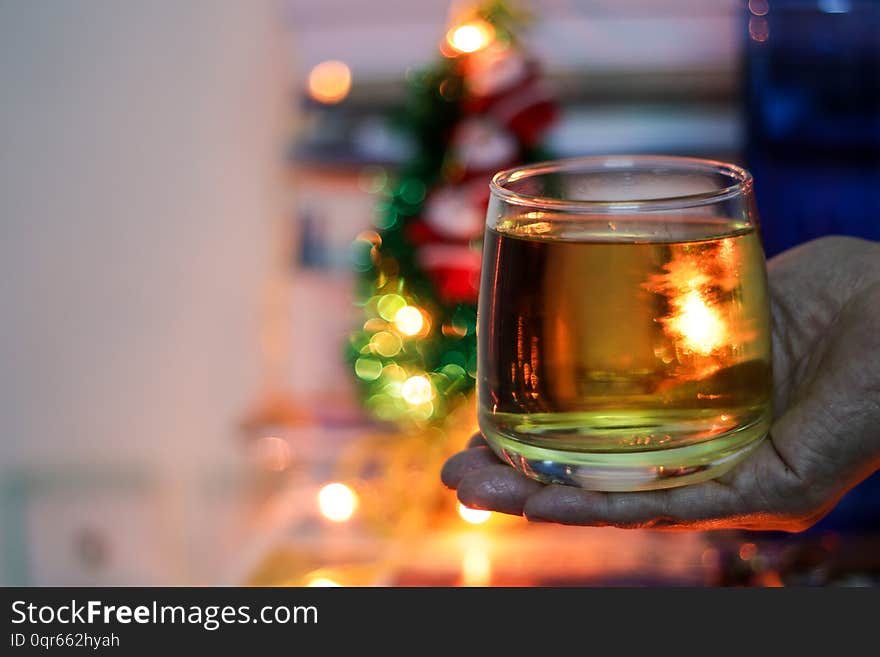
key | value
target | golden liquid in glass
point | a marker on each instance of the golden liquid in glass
(623, 353)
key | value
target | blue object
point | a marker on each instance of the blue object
(812, 93)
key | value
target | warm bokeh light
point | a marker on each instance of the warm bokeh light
(330, 82)
(470, 37)
(409, 320)
(368, 369)
(337, 502)
(389, 305)
(476, 568)
(370, 236)
(385, 344)
(417, 390)
(322, 582)
(473, 516)
(449, 329)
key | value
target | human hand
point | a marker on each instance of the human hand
(825, 438)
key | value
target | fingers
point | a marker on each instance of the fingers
(741, 499)
(757, 494)
(466, 462)
(484, 482)
(701, 506)
(497, 487)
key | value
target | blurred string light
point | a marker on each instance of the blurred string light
(476, 568)
(413, 351)
(470, 37)
(368, 369)
(329, 82)
(417, 390)
(322, 582)
(337, 502)
(473, 516)
(409, 320)
(385, 344)
(389, 305)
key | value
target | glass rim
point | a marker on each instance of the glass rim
(741, 182)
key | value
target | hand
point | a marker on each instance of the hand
(825, 439)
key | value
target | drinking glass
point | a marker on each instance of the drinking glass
(624, 333)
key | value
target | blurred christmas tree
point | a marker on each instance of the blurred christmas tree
(479, 108)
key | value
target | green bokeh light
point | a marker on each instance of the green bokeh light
(368, 369)
(389, 305)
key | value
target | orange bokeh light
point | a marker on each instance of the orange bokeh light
(476, 567)
(329, 82)
(473, 516)
(470, 36)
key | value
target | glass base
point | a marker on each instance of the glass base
(630, 471)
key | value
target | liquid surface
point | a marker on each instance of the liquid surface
(622, 336)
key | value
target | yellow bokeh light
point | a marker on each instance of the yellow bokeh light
(337, 502)
(329, 82)
(368, 369)
(388, 305)
(476, 568)
(370, 236)
(470, 37)
(473, 516)
(417, 390)
(421, 411)
(323, 582)
(385, 344)
(394, 372)
(375, 324)
(409, 320)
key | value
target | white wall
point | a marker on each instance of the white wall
(140, 153)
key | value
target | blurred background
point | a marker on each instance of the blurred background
(239, 254)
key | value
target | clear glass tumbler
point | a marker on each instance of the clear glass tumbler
(624, 333)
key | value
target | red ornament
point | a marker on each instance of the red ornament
(454, 269)
(528, 112)
(503, 84)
